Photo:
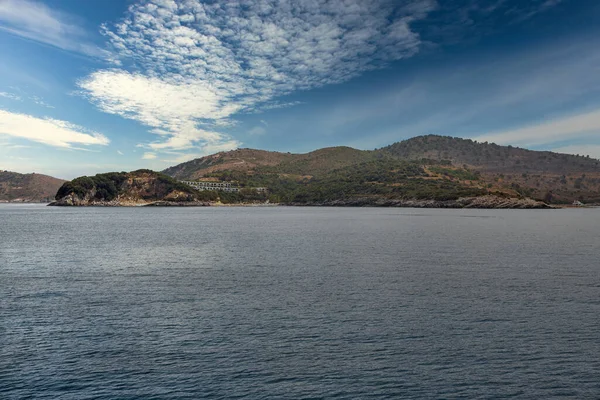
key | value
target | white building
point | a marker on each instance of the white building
(223, 186)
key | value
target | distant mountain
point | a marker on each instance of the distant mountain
(28, 188)
(424, 167)
(142, 187)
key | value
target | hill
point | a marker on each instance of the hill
(555, 177)
(249, 160)
(27, 188)
(142, 187)
(490, 157)
(426, 167)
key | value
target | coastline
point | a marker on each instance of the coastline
(481, 202)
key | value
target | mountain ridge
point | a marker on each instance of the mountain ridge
(512, 171)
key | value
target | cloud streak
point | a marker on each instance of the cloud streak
(194, 64)
(48, 131)
(578, 126)
(36, 21)
(10, 96)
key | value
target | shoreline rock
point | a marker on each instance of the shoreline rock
(140, 203)
(481, 202)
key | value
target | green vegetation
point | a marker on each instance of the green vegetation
(144, 184)
(392, 179)
(105, 186)
(435, 167)
(489, 156)
(458, 173)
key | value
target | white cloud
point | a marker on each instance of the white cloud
(199, 62)
(149, 156)
(119, 152)
(35, 21)
(48, 131)
(170, 108)
(567, 128)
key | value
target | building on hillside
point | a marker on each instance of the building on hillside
(223, 186)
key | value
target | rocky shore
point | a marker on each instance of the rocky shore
(74, 201)
(484, 202)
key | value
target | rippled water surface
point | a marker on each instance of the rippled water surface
(269, 303)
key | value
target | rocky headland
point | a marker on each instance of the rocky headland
(128, 189)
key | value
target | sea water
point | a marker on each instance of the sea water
(278, 302)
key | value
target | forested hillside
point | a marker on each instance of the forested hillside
(431, 166)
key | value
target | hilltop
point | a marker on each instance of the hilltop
(142, 187)
(554, 177)
(490, 157)
(27, 188)
(426, 167)
(249, 160)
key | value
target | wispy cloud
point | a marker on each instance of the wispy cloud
(478, 97)
(198, 63)
(468, 20)
(257, 130)
(149, 156)
(40, 102)
(10, 96)
(48, 131)
(578, 126)
(34, 20)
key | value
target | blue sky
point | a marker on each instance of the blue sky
(101, 85)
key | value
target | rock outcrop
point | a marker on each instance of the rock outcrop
(486, 202)
(138, 188)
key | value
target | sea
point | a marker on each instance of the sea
(298, 303)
